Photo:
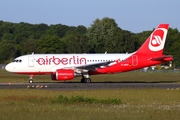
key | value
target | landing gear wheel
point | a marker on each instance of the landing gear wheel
(85, 80)
(30, 80)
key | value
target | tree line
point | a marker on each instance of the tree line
(103, 35)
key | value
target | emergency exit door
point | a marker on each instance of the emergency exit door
(134, 60)
(31, 61)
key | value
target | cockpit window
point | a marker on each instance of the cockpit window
(17, 60)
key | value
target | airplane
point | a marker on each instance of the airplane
(62, 67)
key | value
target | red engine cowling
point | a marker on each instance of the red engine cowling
(63, 75)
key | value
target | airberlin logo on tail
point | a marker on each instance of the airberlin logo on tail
(157, 39)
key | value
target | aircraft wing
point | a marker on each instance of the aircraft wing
(92, 67)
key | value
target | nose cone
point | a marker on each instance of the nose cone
(9, 67)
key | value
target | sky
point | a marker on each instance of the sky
(132, 15)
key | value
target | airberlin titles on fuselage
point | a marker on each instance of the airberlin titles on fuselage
(76, 60)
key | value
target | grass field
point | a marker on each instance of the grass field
(149, 104)
(136, 104)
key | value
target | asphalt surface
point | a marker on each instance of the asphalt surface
(88, 86)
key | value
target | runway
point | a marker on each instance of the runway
(87, 86)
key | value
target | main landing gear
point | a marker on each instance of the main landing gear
(85, 79)
(31, 79)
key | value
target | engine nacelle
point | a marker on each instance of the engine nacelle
(63, 74)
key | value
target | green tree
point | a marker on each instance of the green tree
(7, 51)
(76, 43)
(172, 45)
(28, 47)
(39, 30)
(49, 44)
(58, 30)
(81, 29)
(105, 35)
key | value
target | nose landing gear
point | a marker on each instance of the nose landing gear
(31, 79)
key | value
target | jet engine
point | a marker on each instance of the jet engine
(64, 74)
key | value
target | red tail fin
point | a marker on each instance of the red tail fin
(155, 42)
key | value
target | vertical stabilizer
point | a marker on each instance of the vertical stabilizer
(155, 42)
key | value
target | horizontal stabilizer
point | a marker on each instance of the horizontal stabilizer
(162, 58)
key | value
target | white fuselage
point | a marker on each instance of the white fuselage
(46, 63)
